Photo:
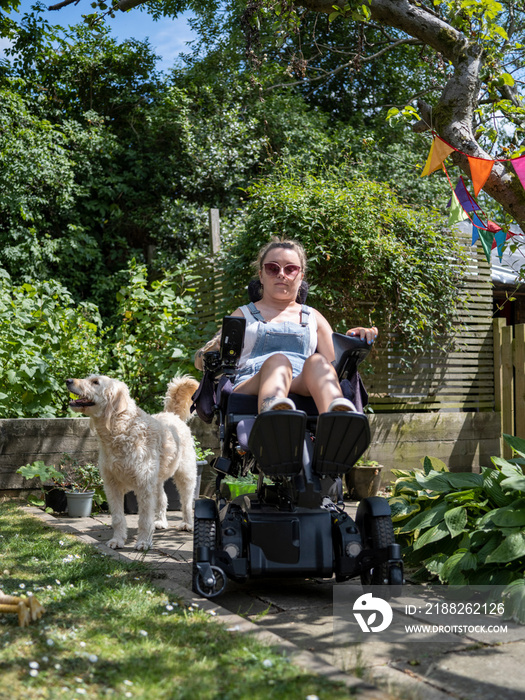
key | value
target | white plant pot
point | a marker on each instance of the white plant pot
(79, 503)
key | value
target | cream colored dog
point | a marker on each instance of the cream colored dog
(138, 452)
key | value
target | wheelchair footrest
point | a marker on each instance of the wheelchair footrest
(341, 438)
(277, 440)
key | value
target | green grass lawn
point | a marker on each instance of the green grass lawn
(108, 631)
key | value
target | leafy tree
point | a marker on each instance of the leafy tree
(476, 47)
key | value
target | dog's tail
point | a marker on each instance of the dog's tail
(178, 397)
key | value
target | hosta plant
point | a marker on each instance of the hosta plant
(466, 529)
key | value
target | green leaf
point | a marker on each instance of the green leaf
(453, 568)
(510, 516)
(436, 533)
(402, 508)
(436, 464)
(456, 520)
(443, 482)
(517, 443)
(514, 483)
(514, 599)
(428, 518)
(427, 465)
(512, 547)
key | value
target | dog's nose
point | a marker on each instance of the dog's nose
(69, 381)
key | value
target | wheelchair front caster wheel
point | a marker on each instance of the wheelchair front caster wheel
(214, 584)
(396, 581)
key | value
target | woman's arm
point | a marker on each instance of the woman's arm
(213, 344)
(325, 344)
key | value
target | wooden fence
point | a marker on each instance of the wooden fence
(509, 379)
(460, 378)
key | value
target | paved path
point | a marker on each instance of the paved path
(301, 614)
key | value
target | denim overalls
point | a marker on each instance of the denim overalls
(290, 339)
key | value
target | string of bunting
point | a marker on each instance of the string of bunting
(462, 205)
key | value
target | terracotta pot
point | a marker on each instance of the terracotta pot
(363, 481)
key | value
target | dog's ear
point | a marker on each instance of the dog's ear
(117, 396)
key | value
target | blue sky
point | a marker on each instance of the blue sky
(167, 37)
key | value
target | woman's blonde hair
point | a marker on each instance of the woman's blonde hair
(281, 243)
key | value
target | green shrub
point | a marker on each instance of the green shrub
(44, 339)
(155, 339)
(465, 529)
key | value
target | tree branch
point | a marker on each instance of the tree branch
(62, 4)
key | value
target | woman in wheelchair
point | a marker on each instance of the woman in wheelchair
(289, 525)
(287, 345)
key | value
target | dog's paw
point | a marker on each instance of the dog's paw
(143, 545)
(116, 543)
(188, 527)
(161, 524)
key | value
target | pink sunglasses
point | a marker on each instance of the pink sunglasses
(291, 271)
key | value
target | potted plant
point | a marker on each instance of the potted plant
(364, 479)
(85, 487)
(231, 487)
(52, 495)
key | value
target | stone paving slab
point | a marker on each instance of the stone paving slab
(299, 613)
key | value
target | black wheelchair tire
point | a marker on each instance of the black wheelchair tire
(379, 533)
(204, 535)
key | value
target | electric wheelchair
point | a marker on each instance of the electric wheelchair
(294, 523)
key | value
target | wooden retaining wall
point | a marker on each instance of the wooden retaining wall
(464, 441)
(25, 440)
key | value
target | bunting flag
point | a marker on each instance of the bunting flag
(479, 171)
(457, 213)
(439, 150)
(476, 224)
(486, 238)
(519, 167)
(499, 242)
(464, 197)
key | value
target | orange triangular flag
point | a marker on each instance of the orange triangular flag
(438, 152)
(479, 172)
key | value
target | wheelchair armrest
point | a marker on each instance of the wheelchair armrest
(349, 353)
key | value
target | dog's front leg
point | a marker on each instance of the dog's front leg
(115, 498)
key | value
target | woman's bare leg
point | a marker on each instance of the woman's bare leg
(318, 380)
(272, 381)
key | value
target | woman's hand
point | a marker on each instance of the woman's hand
(213, 344)
(368, 334)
